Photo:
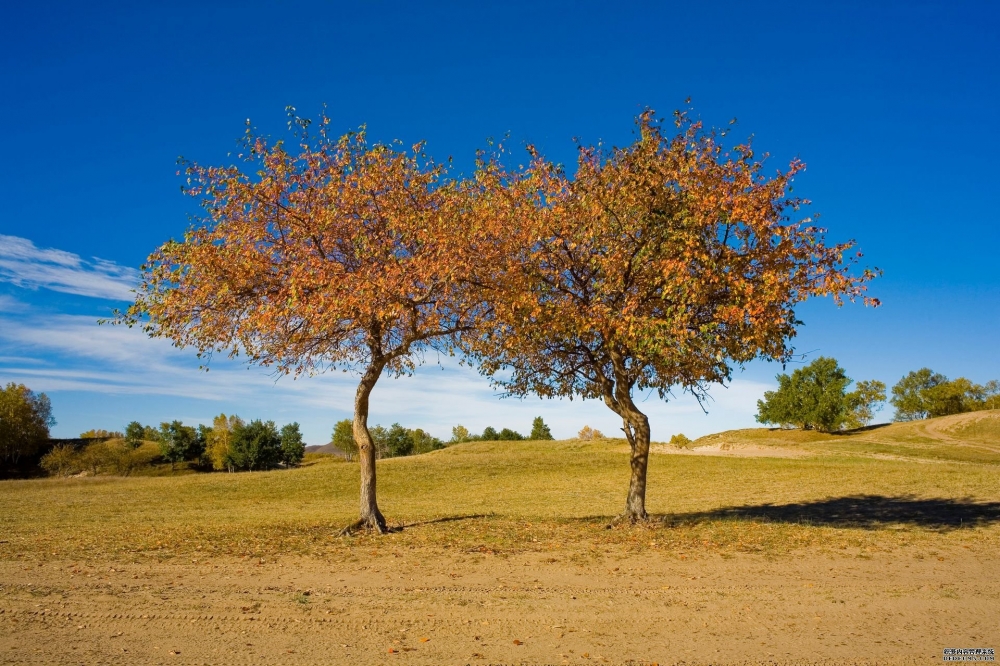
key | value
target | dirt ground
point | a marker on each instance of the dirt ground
(416, 606)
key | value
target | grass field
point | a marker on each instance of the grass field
(900, 495)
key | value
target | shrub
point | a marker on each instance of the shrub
(680, 441)
(62, 460)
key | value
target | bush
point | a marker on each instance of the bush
(62, 460)
(101, 434)
(680, 441)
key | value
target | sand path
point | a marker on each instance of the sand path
(416, 607)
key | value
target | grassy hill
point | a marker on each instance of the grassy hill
(868, 489)
(972, 437)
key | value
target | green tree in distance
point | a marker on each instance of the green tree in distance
(256, 445)
(816, 397)
(539, 431)
(292, 446)
(343, 438)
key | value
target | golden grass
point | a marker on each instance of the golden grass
(545, 496)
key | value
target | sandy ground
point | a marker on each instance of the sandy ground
(416, 607)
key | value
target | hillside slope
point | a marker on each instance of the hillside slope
(972, 437)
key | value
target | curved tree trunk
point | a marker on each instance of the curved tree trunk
(637, 431)
(370, 517)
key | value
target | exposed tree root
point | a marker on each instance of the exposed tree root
(371, 524)
(627, 518)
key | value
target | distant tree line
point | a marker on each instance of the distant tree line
(396, 440)
(925, 394)
(816, 397)
(230, 444)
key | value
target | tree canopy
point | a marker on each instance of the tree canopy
(656, 266)
(25, 419)
(815, 397)
(344, 254)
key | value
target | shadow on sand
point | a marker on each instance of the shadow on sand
(865, 511)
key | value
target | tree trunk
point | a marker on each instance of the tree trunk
(371, 517)
(637, 430)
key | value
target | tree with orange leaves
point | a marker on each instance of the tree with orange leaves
(344, 255)
(657, 267)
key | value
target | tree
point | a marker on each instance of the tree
(25, 419)
(255, 445)
(398, 441)
(812, 397)
(460, 434)
(380, 440)
(925, 394)
(219, 441)
(347, 255)
(292, 446)
(539, 431)
(343, 438)
(908, 394)
(424, 442)
(179, 442)
(589, 434)
(134, 434)
(657, 267)
(489, 434)
(62, 460)
(508, 435)
(867, 398)
(100, 433)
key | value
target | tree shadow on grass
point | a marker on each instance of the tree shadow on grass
(864, 511)
(444, 519)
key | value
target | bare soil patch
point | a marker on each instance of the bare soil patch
(422, 606)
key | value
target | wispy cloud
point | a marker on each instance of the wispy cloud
(123, 364)
(24, 265)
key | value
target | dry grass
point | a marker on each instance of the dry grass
(504, 497)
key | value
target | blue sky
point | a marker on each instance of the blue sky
(893, 106)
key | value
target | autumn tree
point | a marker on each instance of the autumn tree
(657, 267)
(338, 254)
(25, 419)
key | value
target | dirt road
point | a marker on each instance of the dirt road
(417, 607)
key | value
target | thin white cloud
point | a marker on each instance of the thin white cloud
(10, 304)
(24, 265)
(124, 364)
